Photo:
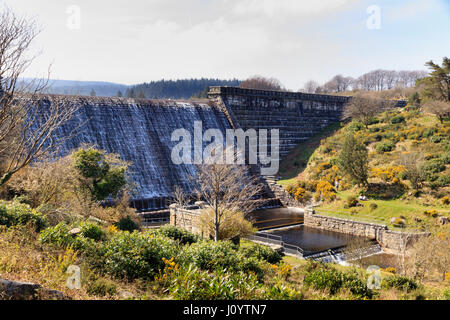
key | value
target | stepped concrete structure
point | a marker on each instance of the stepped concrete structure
(140, 130)
(297, 115)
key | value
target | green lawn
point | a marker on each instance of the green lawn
(387, 209)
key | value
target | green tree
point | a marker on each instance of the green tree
(93, 93)
(101, 174)
(436, 86)
(131, 93)
(141, 95)
(354, 159)
(119, 94)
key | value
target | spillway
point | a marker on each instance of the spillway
(140, 131)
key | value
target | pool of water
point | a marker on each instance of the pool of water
(312, 239)
(275, 217)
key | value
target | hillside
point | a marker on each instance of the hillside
(390, 138)
(178, 89)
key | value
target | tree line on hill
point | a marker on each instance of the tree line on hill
(176, 89)
(376, 80)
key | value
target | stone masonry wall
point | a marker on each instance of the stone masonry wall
(393, 241)
(186, 218)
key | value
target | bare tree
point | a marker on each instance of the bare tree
(26, 123)
(357, 249)
(441, 109)
(180, 198)
(262, 83)
(338, 83)
(364, 108)
(413, 164)
(228, 190)
(311, 86)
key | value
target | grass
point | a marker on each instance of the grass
(301, 154)
(410, 208)
(325, 147)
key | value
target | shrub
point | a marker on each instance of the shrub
(209, 255)
(397, 119)
(443, 180)
(429, 132)
(446, 200)
(373, 206)
(436, 139)
(388, 174)
(355, 126)
(325, 191)
(92, 231)
(194, 284)
(127, 224)
(179, 234)
(400, 283)
(431, 213)
(446, 158)
(390, 270)
(261, 252)
(385, 146)
(136, 255)
(351, 201)
(446, 294)
(434, 166)
(101, 287)
(15, 213)
(301, 195)
(57, 235)
(334, 280)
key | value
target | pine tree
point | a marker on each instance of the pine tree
(131, 93)
(93, 93)
(354, 159)
(119, 94)
(141, 95)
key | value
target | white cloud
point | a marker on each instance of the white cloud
(272, 8)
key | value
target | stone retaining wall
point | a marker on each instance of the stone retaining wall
(186, 218)
(393, 241)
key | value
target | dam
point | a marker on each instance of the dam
(139, 130)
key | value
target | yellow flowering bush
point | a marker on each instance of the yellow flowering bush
(324, 191)
(301, 195)
(388, 174)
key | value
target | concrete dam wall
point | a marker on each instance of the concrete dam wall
(140, 130)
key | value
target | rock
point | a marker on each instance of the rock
(74, 231)
(393, 220)
(125, 294)
(442, 220)
(15, 290)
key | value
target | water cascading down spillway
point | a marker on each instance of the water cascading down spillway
(140, 132)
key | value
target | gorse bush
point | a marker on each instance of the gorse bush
(397, 119)
(261, 252)
(15, 213)
(179, 234)
(385, 146)
(136, 255)
(434, 166)
(334, 280)
(57, 235)
(92, 231)
(400, 283)
(127, 224)
(210, 255)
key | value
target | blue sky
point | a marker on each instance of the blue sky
(293, 40)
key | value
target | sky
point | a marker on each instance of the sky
(295, 41)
